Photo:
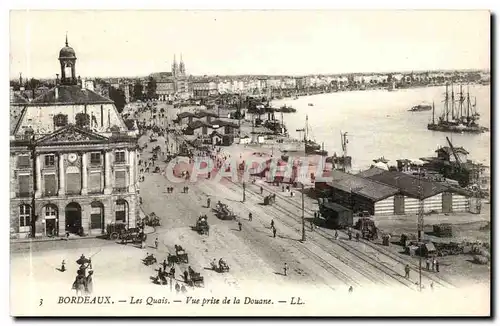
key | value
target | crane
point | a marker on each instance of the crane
(461, 172)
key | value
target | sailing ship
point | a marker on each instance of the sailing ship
(457, 119)
(311, 147)
(343, 162)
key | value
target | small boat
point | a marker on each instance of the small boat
(421, 107)
(286, 109)
(310, 104)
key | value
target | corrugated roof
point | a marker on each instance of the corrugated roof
(408, 184)
(370, 172)
(362, 186)
(70, 95)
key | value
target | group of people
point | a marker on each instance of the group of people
(432, 264)
(83, 281)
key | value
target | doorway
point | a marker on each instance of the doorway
(74, 218)
(51, 219)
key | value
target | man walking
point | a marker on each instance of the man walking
(239, 225)
(272, 223)
(285, 269)
(156, 243)
(427, 263)
(407, 271)
(437, 266)
(250, 216)
(208, 202)
(274, 232)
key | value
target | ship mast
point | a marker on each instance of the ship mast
(343, 139)
(433, 113)
(468, 103)
(446, 108)
(452, 102)
(306, 129)
(461, 102)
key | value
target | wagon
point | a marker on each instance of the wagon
(134, 235)
(113, 230)
(180, 257)
(223, 212)
(269, 199)
(151, 220)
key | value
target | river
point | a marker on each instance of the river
(378, 123)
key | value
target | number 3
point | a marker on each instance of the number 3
(41, 302)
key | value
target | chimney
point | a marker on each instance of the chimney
(57, 92)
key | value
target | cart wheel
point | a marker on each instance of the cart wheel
(113, 236)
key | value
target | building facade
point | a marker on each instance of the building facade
(73, 162)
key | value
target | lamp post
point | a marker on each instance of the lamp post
(303, 219)
(244, 191)
(34, 180)
(420, 227)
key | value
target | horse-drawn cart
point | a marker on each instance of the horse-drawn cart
(202, 225)
(270, 199)
(180, 256)
(134, 235)
(195, 279)
(151, 220)
(223, 212)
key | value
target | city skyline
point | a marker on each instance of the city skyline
(232, 43)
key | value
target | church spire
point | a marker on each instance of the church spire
(66, 38)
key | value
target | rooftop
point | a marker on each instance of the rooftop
(73, 94)
(362, 186)
(409, 185)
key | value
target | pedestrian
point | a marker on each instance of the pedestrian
(272, 223)
(407, 271)
(164, 264)
(156, 243)
(187, 190)
(250, 216)
(261, 190)
(274, 232)
(291, 193)
(239, 225)
(172, 271)
(143, 244)
(357, 236)
(282, 188)
(437, 265)
(427, 264)
(350, 234)
(336, 235)
(433, 263)
(312, 225)
(350, 289)
(63, 267)
(208, 202)
(285, 269)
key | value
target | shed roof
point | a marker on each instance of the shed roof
(362, 186)
(409, 185)
(370, 172)
(198, 124)
(336, 207)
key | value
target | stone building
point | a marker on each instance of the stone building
(73, 162)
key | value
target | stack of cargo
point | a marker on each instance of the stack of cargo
(442, 230)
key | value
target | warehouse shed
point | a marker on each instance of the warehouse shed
(436, 196)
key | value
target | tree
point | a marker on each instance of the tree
(118, 96)
(151, 88)
(137, 93)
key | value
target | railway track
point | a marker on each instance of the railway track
(373, 246)
(353, 263)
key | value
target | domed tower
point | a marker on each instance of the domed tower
(67, 59)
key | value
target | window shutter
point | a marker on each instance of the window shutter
(24, 185)
(50, 184)
(73, 183)
(95, 182)
(23, 161)
(120, 179)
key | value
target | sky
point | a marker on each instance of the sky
(137, 43)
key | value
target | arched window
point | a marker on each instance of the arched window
(24, 217)
(121, 211)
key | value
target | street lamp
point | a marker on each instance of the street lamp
(244, 191)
